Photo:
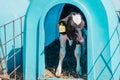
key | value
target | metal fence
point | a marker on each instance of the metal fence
(10, 64)
(116, 51)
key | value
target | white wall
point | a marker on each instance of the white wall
(12, 9)
(116, 4)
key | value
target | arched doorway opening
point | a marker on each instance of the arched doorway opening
(52, 49)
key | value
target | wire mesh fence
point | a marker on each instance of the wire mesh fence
(116, 51)
(11, 37)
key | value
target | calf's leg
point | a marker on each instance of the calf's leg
(63, 39)
(77, 54)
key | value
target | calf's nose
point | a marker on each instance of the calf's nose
(81, 41)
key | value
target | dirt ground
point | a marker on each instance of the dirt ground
(18, 76)
(50, 73)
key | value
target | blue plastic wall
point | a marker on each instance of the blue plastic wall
(41, 29)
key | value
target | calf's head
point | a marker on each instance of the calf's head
(73, 24)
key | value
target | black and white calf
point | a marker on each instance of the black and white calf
(70, 29)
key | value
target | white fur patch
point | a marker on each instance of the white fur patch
(76, 19)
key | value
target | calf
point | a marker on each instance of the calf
(70, 28)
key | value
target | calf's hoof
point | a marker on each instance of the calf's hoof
(79, 72)
(58, 73)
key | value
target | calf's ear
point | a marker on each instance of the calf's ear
(82, 24)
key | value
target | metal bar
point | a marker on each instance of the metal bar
(5, 69)
(103, 50)
(5, 39)
(2, 50)
(1, 26)
(21, 29)
(14, 47)
(118, 33)
(106, 65)
(12, 21)
(15, 70)
(12, 39)
(115, 71)
(109, 59)
(14, 55)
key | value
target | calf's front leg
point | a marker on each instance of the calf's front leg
(63, 39)
(77, 54)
